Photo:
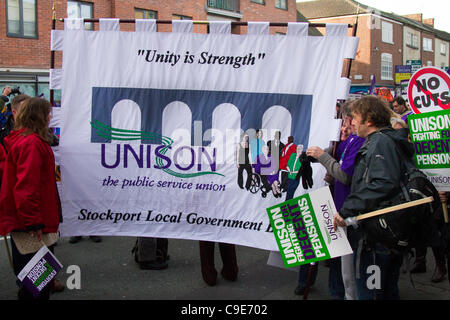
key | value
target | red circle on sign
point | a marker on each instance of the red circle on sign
(413, 83)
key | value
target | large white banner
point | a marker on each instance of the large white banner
(151, 124)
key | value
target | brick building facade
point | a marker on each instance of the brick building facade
(25, 36)
(387, 40)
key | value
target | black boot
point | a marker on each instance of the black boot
(209, 272)
(439, 273)
(441, 270)
(228, 255)
(420, 262)
(75, 239)
(419, 267)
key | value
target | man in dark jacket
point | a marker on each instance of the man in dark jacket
(16, 102)
(375, 182)
(400, 107)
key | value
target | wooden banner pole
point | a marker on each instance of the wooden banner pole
(394, 208)
(445, 211)
(233, 23)
(9, 252)
(52, 53)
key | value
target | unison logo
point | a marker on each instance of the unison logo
(243, 110)
(142, 154)
(437, 178)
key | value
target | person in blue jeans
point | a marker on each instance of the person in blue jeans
(370, 261)
(335, 282)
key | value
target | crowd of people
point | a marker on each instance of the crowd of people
(272, 166)
(363, 170)
(30, 208)
(366, 172)
(259, 160)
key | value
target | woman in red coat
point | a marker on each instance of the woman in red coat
(29, 201)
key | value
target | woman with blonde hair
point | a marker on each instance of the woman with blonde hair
(398, 123)
(29, 203)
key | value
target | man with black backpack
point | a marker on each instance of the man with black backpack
(376, 183)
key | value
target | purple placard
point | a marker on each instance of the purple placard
(372, 84)
(403, 69)
(38, 273)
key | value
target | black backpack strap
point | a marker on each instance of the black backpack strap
(403, 165)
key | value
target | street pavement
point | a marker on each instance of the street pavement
(108, 272)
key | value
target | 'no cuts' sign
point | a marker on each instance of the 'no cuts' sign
(429, 90)
(429, 97)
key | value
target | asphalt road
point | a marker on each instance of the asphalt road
(108, 272)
